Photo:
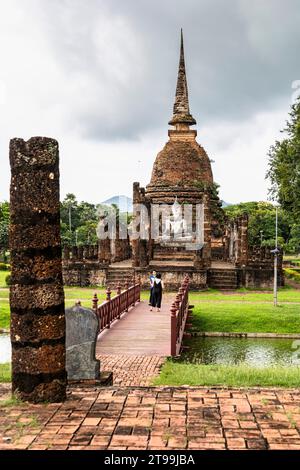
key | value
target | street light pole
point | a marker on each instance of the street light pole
(276, 259)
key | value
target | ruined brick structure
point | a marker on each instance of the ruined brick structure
(181, 175)
(36, 292)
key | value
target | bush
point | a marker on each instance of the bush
(292, 274)
(4, 267)
(8, 280)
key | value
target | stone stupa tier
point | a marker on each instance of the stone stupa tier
(182, 168)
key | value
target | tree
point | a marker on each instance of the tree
(4, 229)
(78, 221)
(284, 165)
(261, 228)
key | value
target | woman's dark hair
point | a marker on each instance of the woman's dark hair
(158, 276)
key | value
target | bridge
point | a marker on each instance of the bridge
(127, 326)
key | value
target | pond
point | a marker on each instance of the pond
(5, 348)
(255, 352)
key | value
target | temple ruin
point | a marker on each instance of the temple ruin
(181, 176)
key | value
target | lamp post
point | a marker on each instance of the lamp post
(275, 251)
(261, 237)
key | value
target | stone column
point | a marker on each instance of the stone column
(244, 240)
(206, 251)
(136, 243)
(36, 292)
(80, 253)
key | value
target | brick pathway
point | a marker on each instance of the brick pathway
(159, 418)
(131, 370)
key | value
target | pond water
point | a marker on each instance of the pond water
(5, 348)
(257, 352)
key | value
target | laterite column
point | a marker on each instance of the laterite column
(36, 292)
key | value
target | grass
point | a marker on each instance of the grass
(176, 374)
(12, 401)
(285, 294)
(3, 275)
(5, 373)
(248, 318)
(4, 315)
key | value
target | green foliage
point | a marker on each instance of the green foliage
(284, 165)
(293, 244)
(78, 222)
(4, 228)
(8, 280)
(292, 274)
(4, 267)
(262, 223)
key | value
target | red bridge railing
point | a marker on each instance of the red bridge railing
(113, 308)
(179, 314)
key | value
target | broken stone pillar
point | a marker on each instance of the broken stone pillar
(81, 340)
(244, 240)
(206, 251)
(36, 292)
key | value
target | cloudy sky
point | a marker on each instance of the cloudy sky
(100, 76)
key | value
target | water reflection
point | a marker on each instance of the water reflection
(258, 352)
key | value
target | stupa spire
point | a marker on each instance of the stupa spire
(181, 111)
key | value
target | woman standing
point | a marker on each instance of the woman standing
(152, 278)
(157, 293)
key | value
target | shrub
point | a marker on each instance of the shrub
(292, 274)
(4, 267)
(8, 280)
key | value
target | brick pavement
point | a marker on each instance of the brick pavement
(159, 418)
(131, 370)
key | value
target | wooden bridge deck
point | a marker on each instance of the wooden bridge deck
(139, 332)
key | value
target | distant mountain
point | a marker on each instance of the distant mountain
(124, 203)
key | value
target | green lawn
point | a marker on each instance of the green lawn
(174, 373)
(5, 373)
(3, 275)
(248, 318)
(285, 294)
(4, 315)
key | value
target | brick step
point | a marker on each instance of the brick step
(225, 285)
(229, 287)
(172, 258)
(172, 253)
(223, 271)
(116, 278)
(225, 278)
(222, 276)
(115, 275)
(220, 282)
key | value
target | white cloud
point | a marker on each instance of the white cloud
(100, 77)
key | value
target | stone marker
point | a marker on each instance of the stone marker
(36, 292)
(81, 338)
